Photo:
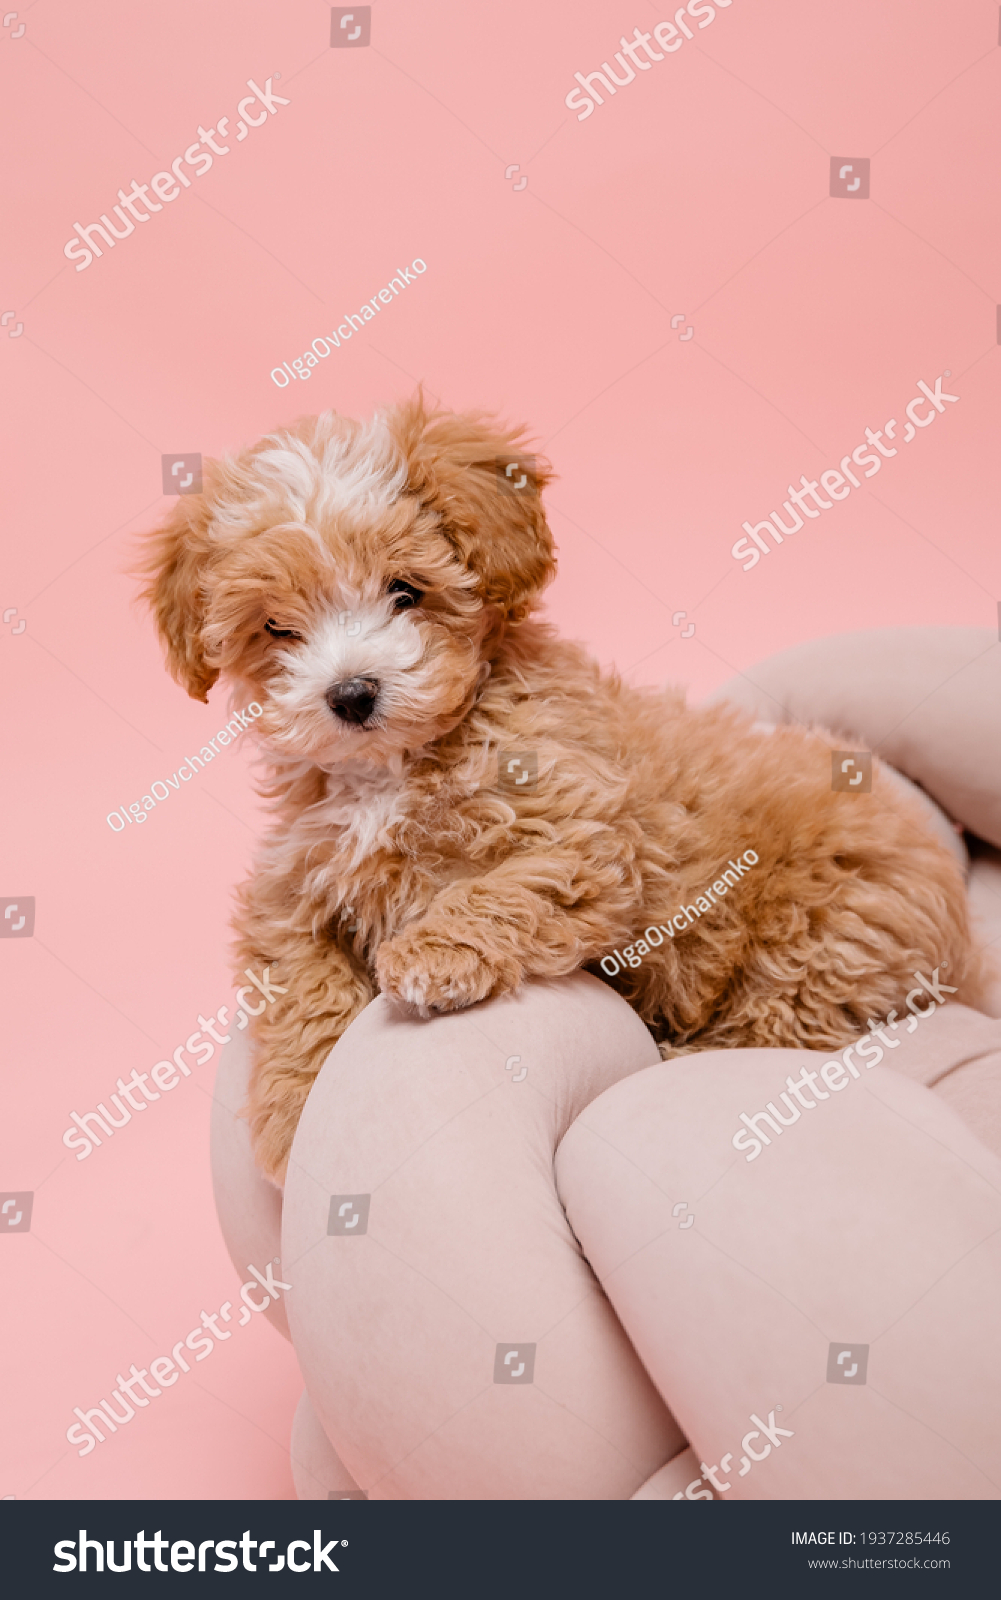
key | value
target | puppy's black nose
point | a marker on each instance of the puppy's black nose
(354, 699)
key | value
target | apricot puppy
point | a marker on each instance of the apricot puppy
(371, 585)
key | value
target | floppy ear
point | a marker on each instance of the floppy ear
(487, 489)
(175, 560)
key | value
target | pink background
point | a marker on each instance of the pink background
(702, 189)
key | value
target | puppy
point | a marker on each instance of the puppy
(371, 587)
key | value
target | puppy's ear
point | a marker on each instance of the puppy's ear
(175, 560)
(486, 486)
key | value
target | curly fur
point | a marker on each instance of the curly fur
(399, 862)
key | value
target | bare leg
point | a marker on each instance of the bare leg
(437, 1138)
(317, 1470)
(857, 1216)
(678, 1479)
(248, 1206)
(872, 1225)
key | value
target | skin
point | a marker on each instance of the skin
(880, 1223)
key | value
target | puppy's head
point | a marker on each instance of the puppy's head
(353, 578)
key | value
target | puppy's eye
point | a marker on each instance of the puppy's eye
(404, 595)
(280, 633)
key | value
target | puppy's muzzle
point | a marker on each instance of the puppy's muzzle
(354, 699)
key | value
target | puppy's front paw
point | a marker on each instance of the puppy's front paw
(433, 974)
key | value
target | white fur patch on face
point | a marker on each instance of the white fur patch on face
(361, 476)
(365, 640)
